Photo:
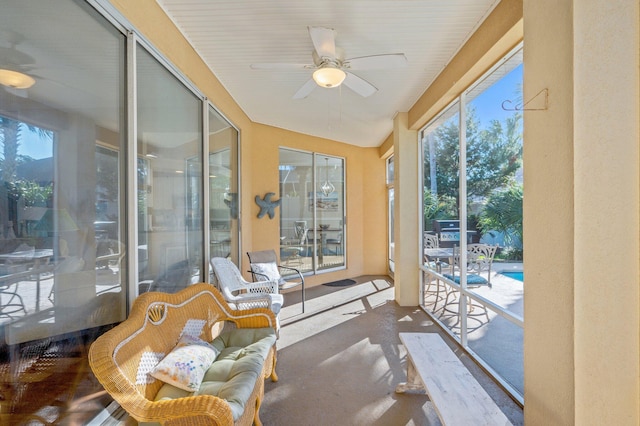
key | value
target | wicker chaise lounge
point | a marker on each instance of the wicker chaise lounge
(232, 387)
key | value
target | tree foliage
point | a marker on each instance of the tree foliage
(503, 213)
(32, 192)
(494, 154)
(437, 207)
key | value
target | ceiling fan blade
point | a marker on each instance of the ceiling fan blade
(359, 85)
(306, 88)
(12, 56)
(324, 41)
(21, 93)
(281, 66)
(392, 60)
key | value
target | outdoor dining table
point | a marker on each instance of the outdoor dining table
(322, 233)
(36, 262)
(437, 254)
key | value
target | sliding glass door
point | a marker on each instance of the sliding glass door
(170, 232)
(390, 214)
(312, 225)
(224, 184)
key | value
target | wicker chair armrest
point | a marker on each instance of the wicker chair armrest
(253, 318)
(203, 409)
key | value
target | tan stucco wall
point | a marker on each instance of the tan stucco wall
(406, 203)
(581, 210)
(386, 148)
(365, 198)
(607, 173)
(548, 180)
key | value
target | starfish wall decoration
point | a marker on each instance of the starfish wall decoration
(232, 203)
(266, 205)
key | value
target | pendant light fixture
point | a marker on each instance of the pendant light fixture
(327, 187)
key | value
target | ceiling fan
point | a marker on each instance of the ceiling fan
(331, 67)
(15, 66)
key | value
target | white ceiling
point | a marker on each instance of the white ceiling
(230, 35)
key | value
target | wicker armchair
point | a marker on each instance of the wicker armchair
(122, 357)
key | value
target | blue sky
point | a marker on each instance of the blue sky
(488, 104)
(32, 145)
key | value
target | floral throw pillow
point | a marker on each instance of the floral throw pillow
(264, 270)
(185, 365)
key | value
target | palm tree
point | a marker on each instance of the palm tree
(10, 135)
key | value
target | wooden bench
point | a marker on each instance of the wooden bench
(458, 398)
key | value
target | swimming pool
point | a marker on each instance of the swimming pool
(516, 275)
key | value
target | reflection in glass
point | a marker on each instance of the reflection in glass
(62, 248)
(392, 238)
(296, 213)
(312, 231)
(60, 201)
(223, 188)
(328, 232)
(170, 245)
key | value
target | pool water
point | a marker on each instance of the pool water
(516, 275)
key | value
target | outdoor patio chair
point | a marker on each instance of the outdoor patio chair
(175, 278)
(335, 242)
(12, 302)
(430, 241)
(264, 267)
(479, 260)
(242, 294)
(295, 249)
(434, 287)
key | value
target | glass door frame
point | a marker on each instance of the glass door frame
(208, 106)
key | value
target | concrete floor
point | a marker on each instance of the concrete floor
(340, 361)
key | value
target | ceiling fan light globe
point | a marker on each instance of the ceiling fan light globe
(329, 77)
(16, 80)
